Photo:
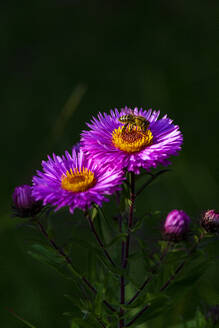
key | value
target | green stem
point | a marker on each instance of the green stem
(98, 239)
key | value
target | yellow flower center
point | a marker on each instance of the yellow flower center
(78, 180)
(132, 139)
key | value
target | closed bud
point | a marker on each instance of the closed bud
(176, 226)
(210, 221)
(24, 204)
(213, 314)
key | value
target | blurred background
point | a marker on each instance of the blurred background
(64, 61)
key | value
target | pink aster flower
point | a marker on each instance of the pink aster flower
(74, 181)
(146, 143)
(176, 225)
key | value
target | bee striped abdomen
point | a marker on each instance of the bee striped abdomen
(134, 121)
(126, 118)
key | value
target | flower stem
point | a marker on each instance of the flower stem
(122, 280)
(145, 283)
(152, 178)
(53, 244)
(138, 315)
(148, 280)
(69, 262)
(130, 220)
(125, 246)
(98, 239)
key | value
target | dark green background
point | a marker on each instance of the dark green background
(94, 56)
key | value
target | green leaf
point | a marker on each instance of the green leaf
(156, 307)
(53, 259)
(192, 275)
(48, 254)
(198, 321)
(120, 237)
(94, 213)
(138, 224)
(84, 313)
(73, 299)
(98, 252)
(102, 258)
(74, 325)
(99, 299)
(146, 298)
(135, 256)
(129, 202)
(79, 306)
(163, 245)
(106, 219)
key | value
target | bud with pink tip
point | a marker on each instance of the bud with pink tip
(210, 221)
(176, 225)
(24, 204)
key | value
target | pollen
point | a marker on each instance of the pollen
(78, 180)
(131, 140)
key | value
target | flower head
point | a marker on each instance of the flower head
(132, 139)
(210, 221)
(24, 204)
(176, 225)
(74, 181)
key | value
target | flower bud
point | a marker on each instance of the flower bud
(210, 221)
(213, 314)
(176, 225)
(24, 203)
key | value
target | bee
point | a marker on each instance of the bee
(134, 121)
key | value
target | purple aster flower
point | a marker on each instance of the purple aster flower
(145, 142)
(24, 204)
(210, 221)
(74, 181)
(176, 225)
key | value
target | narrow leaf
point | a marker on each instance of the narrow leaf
(27, 324)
